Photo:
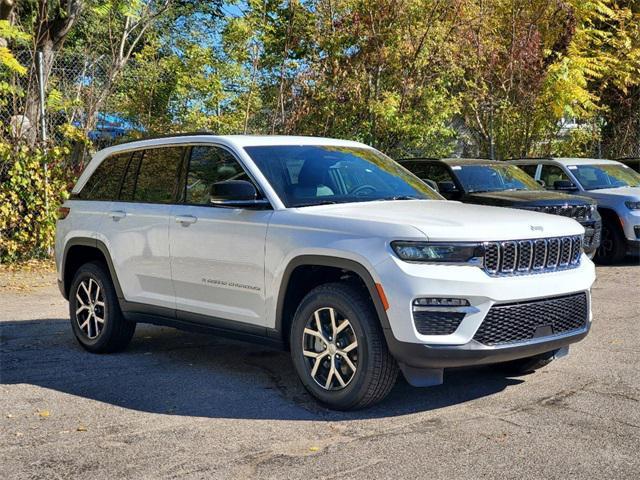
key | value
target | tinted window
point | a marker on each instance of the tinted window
(593, 177)
(439, 173)
(207, 166)
(493, 178)
(104, 184)
(314, 174)
(530, 169)
(419, 169)
(158, 175)
(550, 174)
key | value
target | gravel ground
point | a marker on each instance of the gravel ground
(194, 406)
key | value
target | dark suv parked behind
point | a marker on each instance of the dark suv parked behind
(490, 182)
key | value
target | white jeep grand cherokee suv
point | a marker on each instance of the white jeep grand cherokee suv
(325, 247)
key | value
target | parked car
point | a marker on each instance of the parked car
(633, 162)
(616, 188)
(489, 182)
(325, 247)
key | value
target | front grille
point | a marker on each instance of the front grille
(437, 323)
(636, 230)
(578, 212)
(532, 256)
(522, 321)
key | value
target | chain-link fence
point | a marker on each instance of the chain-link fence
(79, 93)
(76, 94)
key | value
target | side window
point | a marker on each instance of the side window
(439, 173)
(208, 165)
(157, 180)
(552, 173)
(419, 169)
(530, 169)
(105, 180)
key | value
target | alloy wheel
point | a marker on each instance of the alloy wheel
(90, 308)
(330, 348)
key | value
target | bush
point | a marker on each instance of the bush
(30, 195)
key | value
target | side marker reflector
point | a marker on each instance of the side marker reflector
(383, 297)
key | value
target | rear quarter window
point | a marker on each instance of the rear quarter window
(104, 183)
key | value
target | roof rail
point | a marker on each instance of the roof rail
(168, 135)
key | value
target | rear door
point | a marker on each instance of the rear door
(136, 229)
(217, 253)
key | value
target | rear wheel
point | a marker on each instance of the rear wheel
(612, 245)
(96, 319)
(338, 348)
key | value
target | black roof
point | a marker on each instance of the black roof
(454, 161)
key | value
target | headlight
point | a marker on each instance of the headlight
(632, 205)
(428, 252)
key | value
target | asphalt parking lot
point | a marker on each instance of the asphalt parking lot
(194, 406)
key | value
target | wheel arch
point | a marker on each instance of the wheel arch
(80, 250)
(288, 297)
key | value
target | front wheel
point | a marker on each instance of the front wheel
(338, 348)
(612, 244)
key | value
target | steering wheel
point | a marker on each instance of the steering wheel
(361, 190)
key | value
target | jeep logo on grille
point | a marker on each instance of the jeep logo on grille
(536, 228)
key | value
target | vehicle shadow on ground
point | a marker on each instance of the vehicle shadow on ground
(178, 373)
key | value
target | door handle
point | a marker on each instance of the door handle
(186, 220)
(117, 214)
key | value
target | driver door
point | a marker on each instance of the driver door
(217, 253)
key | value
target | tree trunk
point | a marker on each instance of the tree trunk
(50, 37)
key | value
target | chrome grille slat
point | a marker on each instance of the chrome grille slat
(522, 257)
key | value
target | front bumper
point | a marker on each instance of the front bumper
(592, 235)
(404, 282)
(473, 353)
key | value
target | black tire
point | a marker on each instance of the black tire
(527, 365)
(376, 370)
(115, 333)
(613, 246)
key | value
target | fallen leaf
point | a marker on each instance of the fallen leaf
(44, 413)
(81, 428)
(314, 449)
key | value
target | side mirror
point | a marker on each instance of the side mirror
(431, 183)
(566, 185)
(236, 193)
(541, 182)
(447, 186)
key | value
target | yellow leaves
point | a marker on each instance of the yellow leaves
(9, 61)
(26, 225)
(44, 413)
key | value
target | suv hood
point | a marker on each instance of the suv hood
(627, 193)
(524, 198)
(451, 221)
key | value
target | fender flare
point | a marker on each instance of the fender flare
(92, 243)
(335, 262)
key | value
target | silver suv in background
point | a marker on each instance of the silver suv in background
(614, 185)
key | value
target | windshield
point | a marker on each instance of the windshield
(494, 178)
(593, 177)
(304, 175)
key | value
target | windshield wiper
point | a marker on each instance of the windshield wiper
(313, 204)
(401, 197)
